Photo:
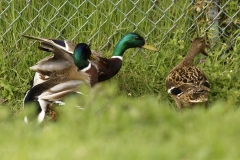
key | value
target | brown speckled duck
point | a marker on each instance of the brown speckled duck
(186, 83)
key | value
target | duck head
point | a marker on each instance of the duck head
(200, 44)
(82, 55)
(131, 40)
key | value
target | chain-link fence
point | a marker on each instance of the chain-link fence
(94, 19)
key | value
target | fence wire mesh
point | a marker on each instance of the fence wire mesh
(88, 20)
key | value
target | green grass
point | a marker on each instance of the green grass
(112, 126)
(135, 119)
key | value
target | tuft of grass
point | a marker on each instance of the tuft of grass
(111, 126)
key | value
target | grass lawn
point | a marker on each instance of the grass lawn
(131, 116)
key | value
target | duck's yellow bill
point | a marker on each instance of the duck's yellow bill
(92, 57)
(146, 46)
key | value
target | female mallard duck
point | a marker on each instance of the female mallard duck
(107, 68)
(64, 74)
(187, 84)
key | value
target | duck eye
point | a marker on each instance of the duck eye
(137, 38)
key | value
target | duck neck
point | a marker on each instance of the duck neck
(86, 68)
(120, 48)
(80, 63)
(189, 58)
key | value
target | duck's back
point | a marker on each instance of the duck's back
(188, 85)
(183, 75)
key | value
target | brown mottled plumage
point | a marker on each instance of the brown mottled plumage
(187, 84)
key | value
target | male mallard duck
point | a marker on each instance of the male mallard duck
(107, 68)
(64, 73)
(110, 67)
(186, 83)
